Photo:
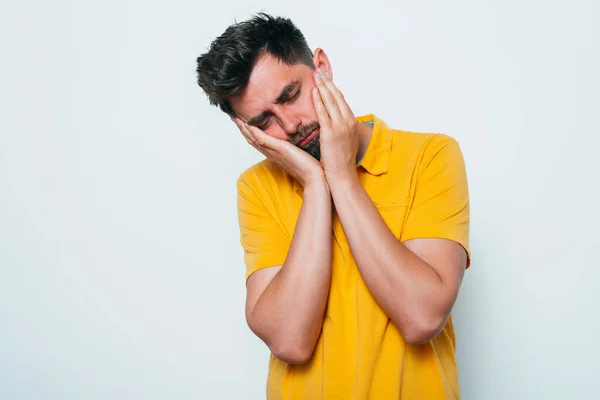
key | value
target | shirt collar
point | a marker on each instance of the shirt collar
(377, 155)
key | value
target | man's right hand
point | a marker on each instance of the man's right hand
(296, 162)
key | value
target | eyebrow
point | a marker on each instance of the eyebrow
(283, 96)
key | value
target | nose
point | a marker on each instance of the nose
(290, 122)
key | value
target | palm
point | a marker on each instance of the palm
(295, 161)
(299, 164)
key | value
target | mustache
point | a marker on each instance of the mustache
(304, 131)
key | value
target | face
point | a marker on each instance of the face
(278, 100)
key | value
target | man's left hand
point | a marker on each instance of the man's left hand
(339, 138)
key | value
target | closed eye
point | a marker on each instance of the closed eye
(265, 125)
(267, 122)
(294, 97)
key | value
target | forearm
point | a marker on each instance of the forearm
(405, 287)
(289, 313)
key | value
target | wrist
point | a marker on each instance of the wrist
(343, 181)
(317, 184)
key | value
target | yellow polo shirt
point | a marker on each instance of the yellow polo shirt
(418, 183)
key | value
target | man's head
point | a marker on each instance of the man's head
(261, 71)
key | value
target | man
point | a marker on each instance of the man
(355, 235)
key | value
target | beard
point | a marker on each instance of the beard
(313, 147)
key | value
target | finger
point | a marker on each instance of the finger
(328, 100)
(322, 115)
(253, 141)
(263, 140)
(254, 136)
(343, 106)
(249, 138)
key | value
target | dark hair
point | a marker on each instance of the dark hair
(224, 70)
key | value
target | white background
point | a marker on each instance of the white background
(121, 273)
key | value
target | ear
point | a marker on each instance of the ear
(320, 60)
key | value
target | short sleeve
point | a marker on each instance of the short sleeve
(440, 207)
(264, 241)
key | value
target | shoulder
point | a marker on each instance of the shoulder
(424, 146)
(425, 141)
(257, 173)
(264, 177)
